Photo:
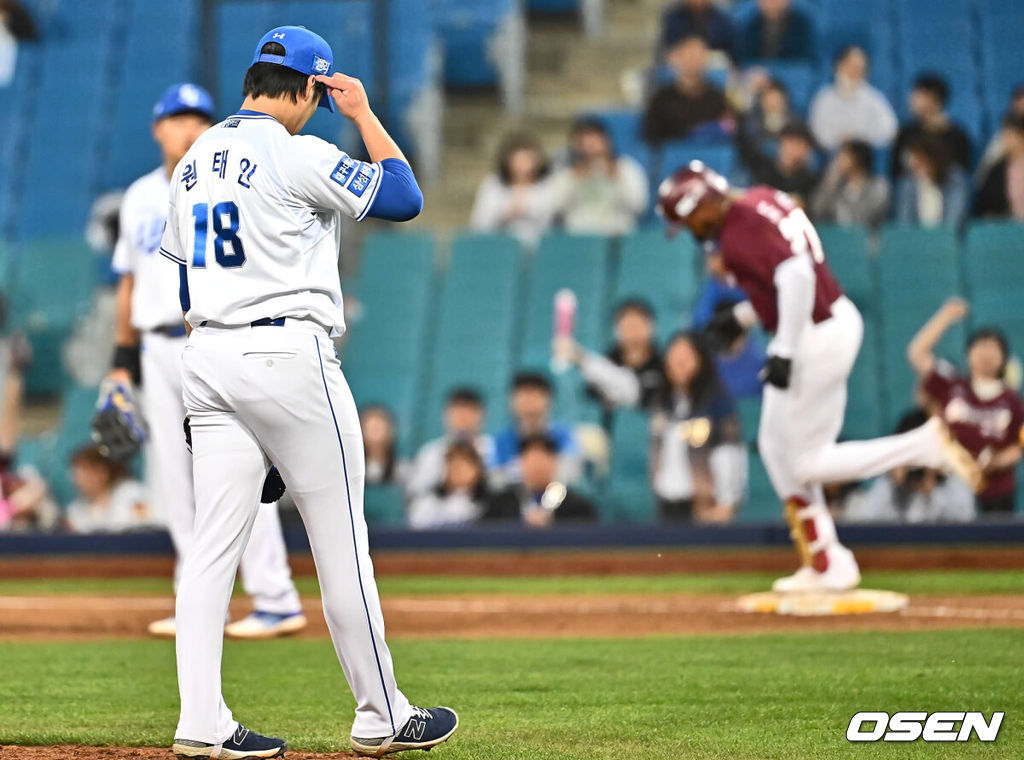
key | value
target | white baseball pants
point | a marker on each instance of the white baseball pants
(800, 425)
(266, 576)
(256, 395)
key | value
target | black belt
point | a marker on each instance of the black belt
(170, 331)
(265, 322)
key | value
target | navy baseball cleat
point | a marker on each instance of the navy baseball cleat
(425, 729)
(243, 745)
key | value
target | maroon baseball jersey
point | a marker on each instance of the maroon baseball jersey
(760, 231)
(977, 424)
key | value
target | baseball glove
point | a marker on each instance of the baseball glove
(118, 428)
(273, 486)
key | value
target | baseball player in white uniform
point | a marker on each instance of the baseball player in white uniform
(150, 333)
(255, 226)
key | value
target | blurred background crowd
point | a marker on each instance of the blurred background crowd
(541, 129)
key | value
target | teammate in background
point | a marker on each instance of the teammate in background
(980, 409)
(771, 250)
(150, 337)
(255, 227)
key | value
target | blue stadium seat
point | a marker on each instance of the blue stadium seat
(554, 6)
(918, 269)
(800, 78)
(623, 126)
(678, 153)
(476, 325)
(466, 28)
(384, 356)
(662, 271)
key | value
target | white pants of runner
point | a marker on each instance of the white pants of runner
(261, 394)
(800, 425)
(266, 576)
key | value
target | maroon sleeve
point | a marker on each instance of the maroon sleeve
(940, 381)
(1015, 435)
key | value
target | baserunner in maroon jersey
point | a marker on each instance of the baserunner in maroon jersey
(764, 242)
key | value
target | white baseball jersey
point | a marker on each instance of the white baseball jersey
(256, 216)
(143, 216)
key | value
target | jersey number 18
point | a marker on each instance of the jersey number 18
(230, 256)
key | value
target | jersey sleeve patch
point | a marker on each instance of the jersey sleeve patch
(355, 176)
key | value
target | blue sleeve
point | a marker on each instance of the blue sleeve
(399, 198)
(183, 298)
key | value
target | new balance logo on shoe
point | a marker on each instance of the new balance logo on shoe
(414, 729)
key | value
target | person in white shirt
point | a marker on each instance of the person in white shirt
(598, 192)
(463, 422)
(850, 108)
(108, 501)
(516, 199)
(459, 498)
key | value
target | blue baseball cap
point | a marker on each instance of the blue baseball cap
(304, 51)
(184, 98)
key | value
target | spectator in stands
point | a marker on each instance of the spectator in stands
(463, 423)
(599, 192)
(919, 495)
(935, 190)
(739, 357)
(996, 148)
(699, 18)
(631, 372)
(383, 467)
(691, 106)
(778, 31)
(16, 25)
(540, 497)
(530, 403)
(850, 108)
(928, 99)
(770, 113)
(983, 413)
(516, 198)
(108, 500)
(698, 460)
(460, 496)
(792, 169)
(1001, 193)
(850, 193)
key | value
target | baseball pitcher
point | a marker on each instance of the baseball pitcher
(254, 227)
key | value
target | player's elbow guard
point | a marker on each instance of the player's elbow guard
(399, 198)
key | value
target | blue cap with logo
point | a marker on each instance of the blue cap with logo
(304, 51)
(184, 98)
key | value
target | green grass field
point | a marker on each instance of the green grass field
(756, 697)
(936, 582)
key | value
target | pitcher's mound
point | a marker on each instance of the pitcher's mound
(856, 602)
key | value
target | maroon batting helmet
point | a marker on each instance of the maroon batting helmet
(690, 186)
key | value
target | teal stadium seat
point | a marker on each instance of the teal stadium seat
(864, 417)
(476, 325)
(762, 504)
(384, 505)
(384, 356)
(994, 270)
(918, 269)
(848, 255)
(628, 496)
(663, 272)
(749, 411)
(52, 285)
(78, 405)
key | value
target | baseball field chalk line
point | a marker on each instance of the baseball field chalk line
(574, 605)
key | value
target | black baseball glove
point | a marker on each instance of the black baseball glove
(724, 327)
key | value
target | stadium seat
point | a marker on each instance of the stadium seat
(676, 154)
(918, 270)
(762, 504)
(476, 325)
(623, 126)
(661, 271)
(848, 255)
(994, 270)
(385, 353)
(467, 28)
(383, 505)
(864, 418)
(801, 79)
(628, 495)
(749, 411)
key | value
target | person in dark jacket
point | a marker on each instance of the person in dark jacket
(1001, 193)
(700, 18)
(539, 500)
(777, 31)
(792, 170)
(928, 99)
(677, 108)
